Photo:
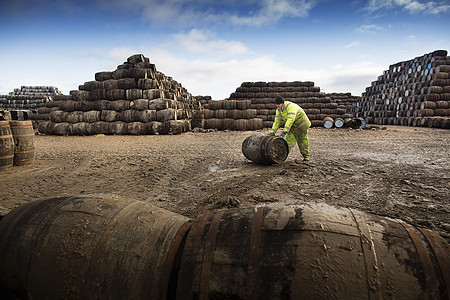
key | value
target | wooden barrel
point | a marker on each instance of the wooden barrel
(154, 127)
(6, 146)
(265, 149)
(338, 122)
(110, 115)
(139, 104)
(62, 129)
(328, 122)
(75, 117)
(91, 116)
(145, 116)
(241, 124)
(117, 128)
(361, 121)
(58, 116)
(81, 128)
(24, 142)
(442, 104)
(135, 128)
(316, 123)
(166, 114)
(90, 247)
(255, 124)
(310, 251)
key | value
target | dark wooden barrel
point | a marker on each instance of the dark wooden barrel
(24, 142)
(117, 127)
(241, 124)
(6, 146)
(90, 247)
(265, 149)
(310, 251)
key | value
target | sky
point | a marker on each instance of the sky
(211, 46)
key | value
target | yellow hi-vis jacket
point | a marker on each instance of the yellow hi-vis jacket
(294, 116)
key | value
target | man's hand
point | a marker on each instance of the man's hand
(283, 135)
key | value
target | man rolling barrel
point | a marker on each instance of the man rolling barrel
(296, 125)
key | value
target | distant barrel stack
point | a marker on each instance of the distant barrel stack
(134, 99)
(252, 104)
(23, 102)
(28, 97)
(415, 92)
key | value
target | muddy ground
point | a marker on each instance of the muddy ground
(394, 171)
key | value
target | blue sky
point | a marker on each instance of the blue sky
(211, 46)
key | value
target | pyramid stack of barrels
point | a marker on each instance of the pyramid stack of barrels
(252, 106)
(415, 92)
(28, 97)
(134, 99)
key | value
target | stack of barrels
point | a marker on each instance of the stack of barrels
(415, 92)
(229, 114)
(261, 95)
(133, 99)
(28, 97)
(252, 105)
(22, 104)
(17, 143)
(304, 251)
(344, 101)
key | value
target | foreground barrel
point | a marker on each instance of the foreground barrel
(310, 252)
(24, 142)
(265, 149)
(6, 146)
(92, 247)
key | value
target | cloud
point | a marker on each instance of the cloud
(198, 41)
(353, 44)
(371, 28)
(175, 13)
(208, 76)
(271, 11)
(411, 6)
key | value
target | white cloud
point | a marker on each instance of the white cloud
(194, 12)
(353, 44)
(371, 28)
(411, 6)
(199, 42)
(208, 76)
(272, 11)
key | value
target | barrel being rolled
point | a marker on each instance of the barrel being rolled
(24, 142)
(6, 146)
(265, 149)
(90, 247)
(310, 251)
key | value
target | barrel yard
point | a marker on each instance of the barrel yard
(120, 159)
